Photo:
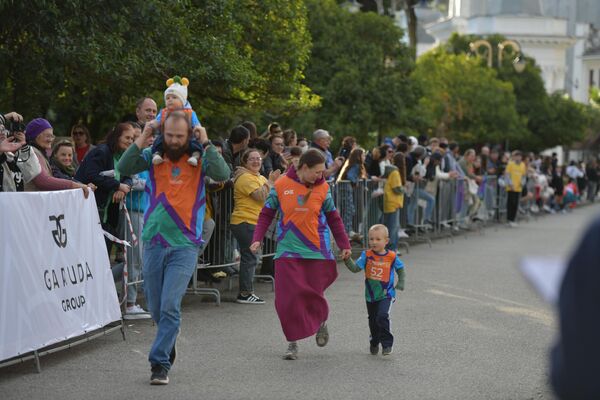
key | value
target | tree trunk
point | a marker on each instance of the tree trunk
(411, 18)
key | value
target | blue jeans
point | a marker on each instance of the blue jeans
(390, 220)
(167, 272)
(413, 202)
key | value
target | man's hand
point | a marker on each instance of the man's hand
(146, 137)
(14, 116)
(346, 253)
(19, 137)
(254, 247)
(118, 196)
(453, 174)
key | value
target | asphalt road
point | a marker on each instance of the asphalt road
(468, 326)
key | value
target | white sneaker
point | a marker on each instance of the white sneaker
(512, 224)
(402, 234)
(136, 312)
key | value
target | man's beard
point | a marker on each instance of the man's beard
(174, 154)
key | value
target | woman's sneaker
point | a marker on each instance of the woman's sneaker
(250, 299)
(386, 351)
(292, 351)
(322, 335)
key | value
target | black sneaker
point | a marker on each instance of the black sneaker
(250, 299)
(374, 350)
(322, 335)
(387, 351)
(160, 375)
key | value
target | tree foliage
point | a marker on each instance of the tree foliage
(75, 60)
(464, 101)
(546, 116)
(360, 69)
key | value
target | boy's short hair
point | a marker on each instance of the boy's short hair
(380, 227)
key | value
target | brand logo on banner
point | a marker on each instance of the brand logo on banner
(59, 232)
(54, 291)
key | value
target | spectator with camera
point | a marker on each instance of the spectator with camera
(18, 165)
(40, 135)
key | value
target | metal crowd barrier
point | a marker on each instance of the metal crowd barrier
(360, 205)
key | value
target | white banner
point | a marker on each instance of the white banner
(55, 278)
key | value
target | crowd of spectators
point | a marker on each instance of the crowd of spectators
(407, 170)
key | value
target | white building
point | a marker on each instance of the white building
(561, 35)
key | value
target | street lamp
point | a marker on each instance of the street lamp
(519, 62)
(474, 46)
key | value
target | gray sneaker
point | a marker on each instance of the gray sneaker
(386, 351)
(322, 335)
(292, 351)
(374, 350)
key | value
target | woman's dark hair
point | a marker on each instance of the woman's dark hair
(295, 151)
(260, 144)
(399, 161)
(348, 142)
(251, 128)
(276, 136)
(355, 159)
(112, 138)
(383, 151)
(84, 129)
(311, 158)
(246, 154)
(403, 147)
(288, 134)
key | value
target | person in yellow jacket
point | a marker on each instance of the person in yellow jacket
(393, 197)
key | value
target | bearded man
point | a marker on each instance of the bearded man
(172, 232)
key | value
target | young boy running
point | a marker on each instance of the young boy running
(379, 265)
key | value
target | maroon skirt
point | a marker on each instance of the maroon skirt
(299, 295)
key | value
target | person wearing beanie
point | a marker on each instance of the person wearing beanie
(176, 100)
(40, 135)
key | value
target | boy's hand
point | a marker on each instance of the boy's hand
(400, 286)
(346, 253)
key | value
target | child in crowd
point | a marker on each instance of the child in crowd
(62, 160)
(379, 265)
(176, 100)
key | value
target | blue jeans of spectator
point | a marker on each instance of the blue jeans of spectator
(391, 221)
(379, 322)
(167, 272)
(413, 202)
(243, 234)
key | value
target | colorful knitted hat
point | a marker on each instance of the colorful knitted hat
(178, 86)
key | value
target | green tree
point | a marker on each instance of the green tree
(464, 101)
(360, 69)
(77, 60)
(545, 115)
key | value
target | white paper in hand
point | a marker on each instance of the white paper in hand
(545, 274)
